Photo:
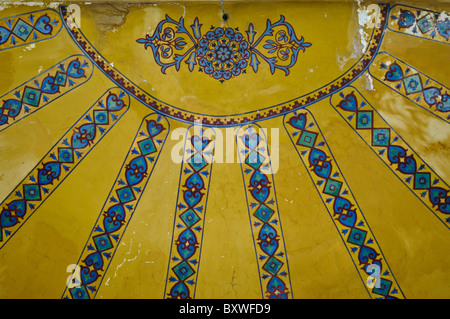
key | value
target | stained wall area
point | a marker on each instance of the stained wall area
(234, 149)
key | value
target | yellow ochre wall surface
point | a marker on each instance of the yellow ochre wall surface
(291, 149)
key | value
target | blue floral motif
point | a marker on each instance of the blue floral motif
(224, 53)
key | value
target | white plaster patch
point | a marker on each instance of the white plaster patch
(54, 5)
(29, 47)
(369, 82)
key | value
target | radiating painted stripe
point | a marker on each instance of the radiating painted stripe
(28, 28)
(44, 88)
(412, 84)
(118, 208)
(350, 222)
(60, 161)
(262, 205)
(419, 22)
(394, 152)
(190, 213)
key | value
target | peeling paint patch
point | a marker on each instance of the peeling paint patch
(108, 17)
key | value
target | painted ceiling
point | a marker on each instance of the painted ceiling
(235, 149)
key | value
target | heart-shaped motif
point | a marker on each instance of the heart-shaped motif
(341, 205)
(430, 95)
(88, 276)
(261, 194)
(395, 73)
(348, 219)
(195, 181)
(444, 104)
(114, 218)
(251, 140)
(323, 170)
(51, 171)
(48, 85)
(443, 28)
(277, 285)
(407, 19)
(13, 107)
(408, 166)
(435, 195)
(43, 25)
(7, 219)
(317, 158)
(84, 136)
(186, 244)
(75, 70)
(114, 103)
(4, 35)
(268, 239)
(180, 290)
(349, 103)
(366, 254)
(258, 178)
(154, 128)
(95, 260)
(136, 170)
(199, 143)
(395, 153)
(192, 198)
(298, 121)
(445, 207)
(19, 207)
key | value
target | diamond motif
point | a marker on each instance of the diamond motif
(101, 117)
(364, 120)
(332, 187)
(183, 270)
(147, 146)
(31, 96)
(102, 242)
(65, 155)
(421, 180)
(125, 195)
(197, 162)
(264, 213)
(22, 29)
(60, 78)
(254, 159)
(426, 23)
(357, 236)
(307, 139)
(381, 137)
(273, 265)
(413, 84)
(79, 293)
(32, 192)
(189, 217)
(385, 286)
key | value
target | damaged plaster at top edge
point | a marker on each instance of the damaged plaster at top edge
(53, 5)
(366, 19)
(110, 16)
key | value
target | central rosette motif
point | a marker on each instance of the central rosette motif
(223, 53)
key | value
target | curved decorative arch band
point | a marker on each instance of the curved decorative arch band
(235, 119)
